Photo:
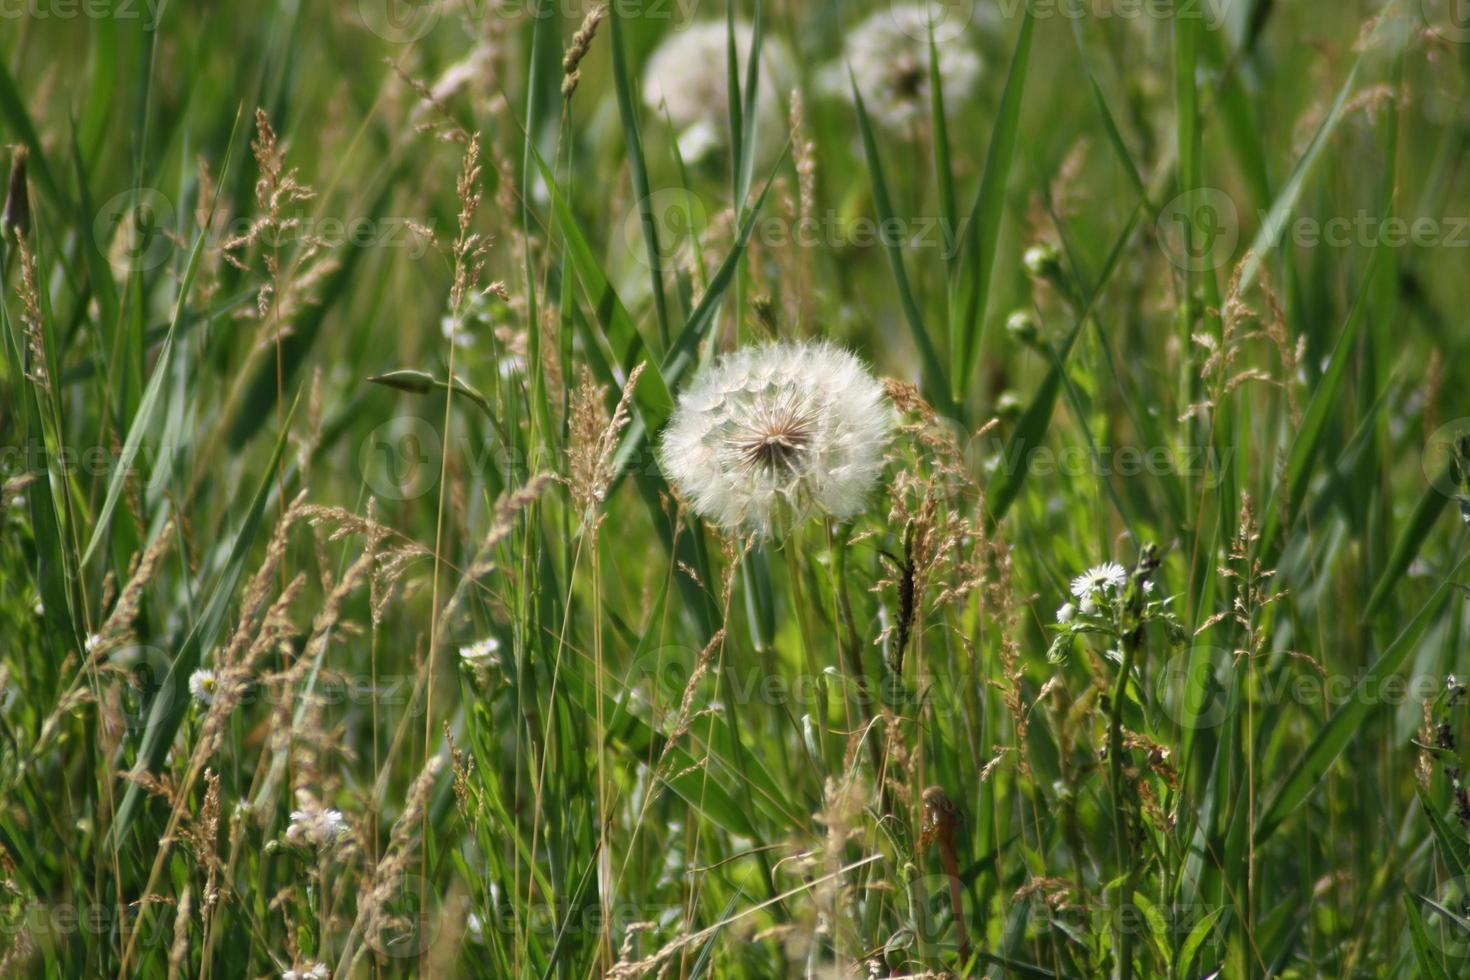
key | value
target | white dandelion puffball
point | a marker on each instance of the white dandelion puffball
(889, 57)
(1109, 576)
(799, 427)
(689, 77)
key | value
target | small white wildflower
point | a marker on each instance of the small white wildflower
(1108, 575)
(316, 971)
(1148, 586)
(781, 427)
(688, 77)
(1067, 613)
(888, 54)
(1088, 606)
(319, 828)
(203, 686)
(481, 652)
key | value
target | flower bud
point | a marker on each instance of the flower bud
(1042, 261)
(1021, 325)
(17, 216)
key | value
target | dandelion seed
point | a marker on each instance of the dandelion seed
(688, 77)
(203, 685)
(888, 54)
(797, 428)
(1108, 575)
(1067, 613)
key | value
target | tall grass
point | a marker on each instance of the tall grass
(349, 624)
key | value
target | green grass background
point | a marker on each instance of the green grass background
(1290, 834)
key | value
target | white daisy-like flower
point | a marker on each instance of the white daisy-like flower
(319, 828)
(688, 77)
(316, 971)
(203, 686)
(888, 54)
(481, 651)
(1067, 613)
(1108, 575)
(1087, 606)
(797, 428)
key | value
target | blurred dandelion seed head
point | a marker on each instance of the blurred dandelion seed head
(688, 76)
(888, 54)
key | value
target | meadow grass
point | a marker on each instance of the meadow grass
(351, 625)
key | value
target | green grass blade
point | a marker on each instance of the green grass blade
(983, 227)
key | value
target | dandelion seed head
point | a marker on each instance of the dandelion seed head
(889, 56)
(795, 426)
(688, 76)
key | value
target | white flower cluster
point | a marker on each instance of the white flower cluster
(888, 54)
(316, 971)
(316, 827)
(799, 427)
(688, 77)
